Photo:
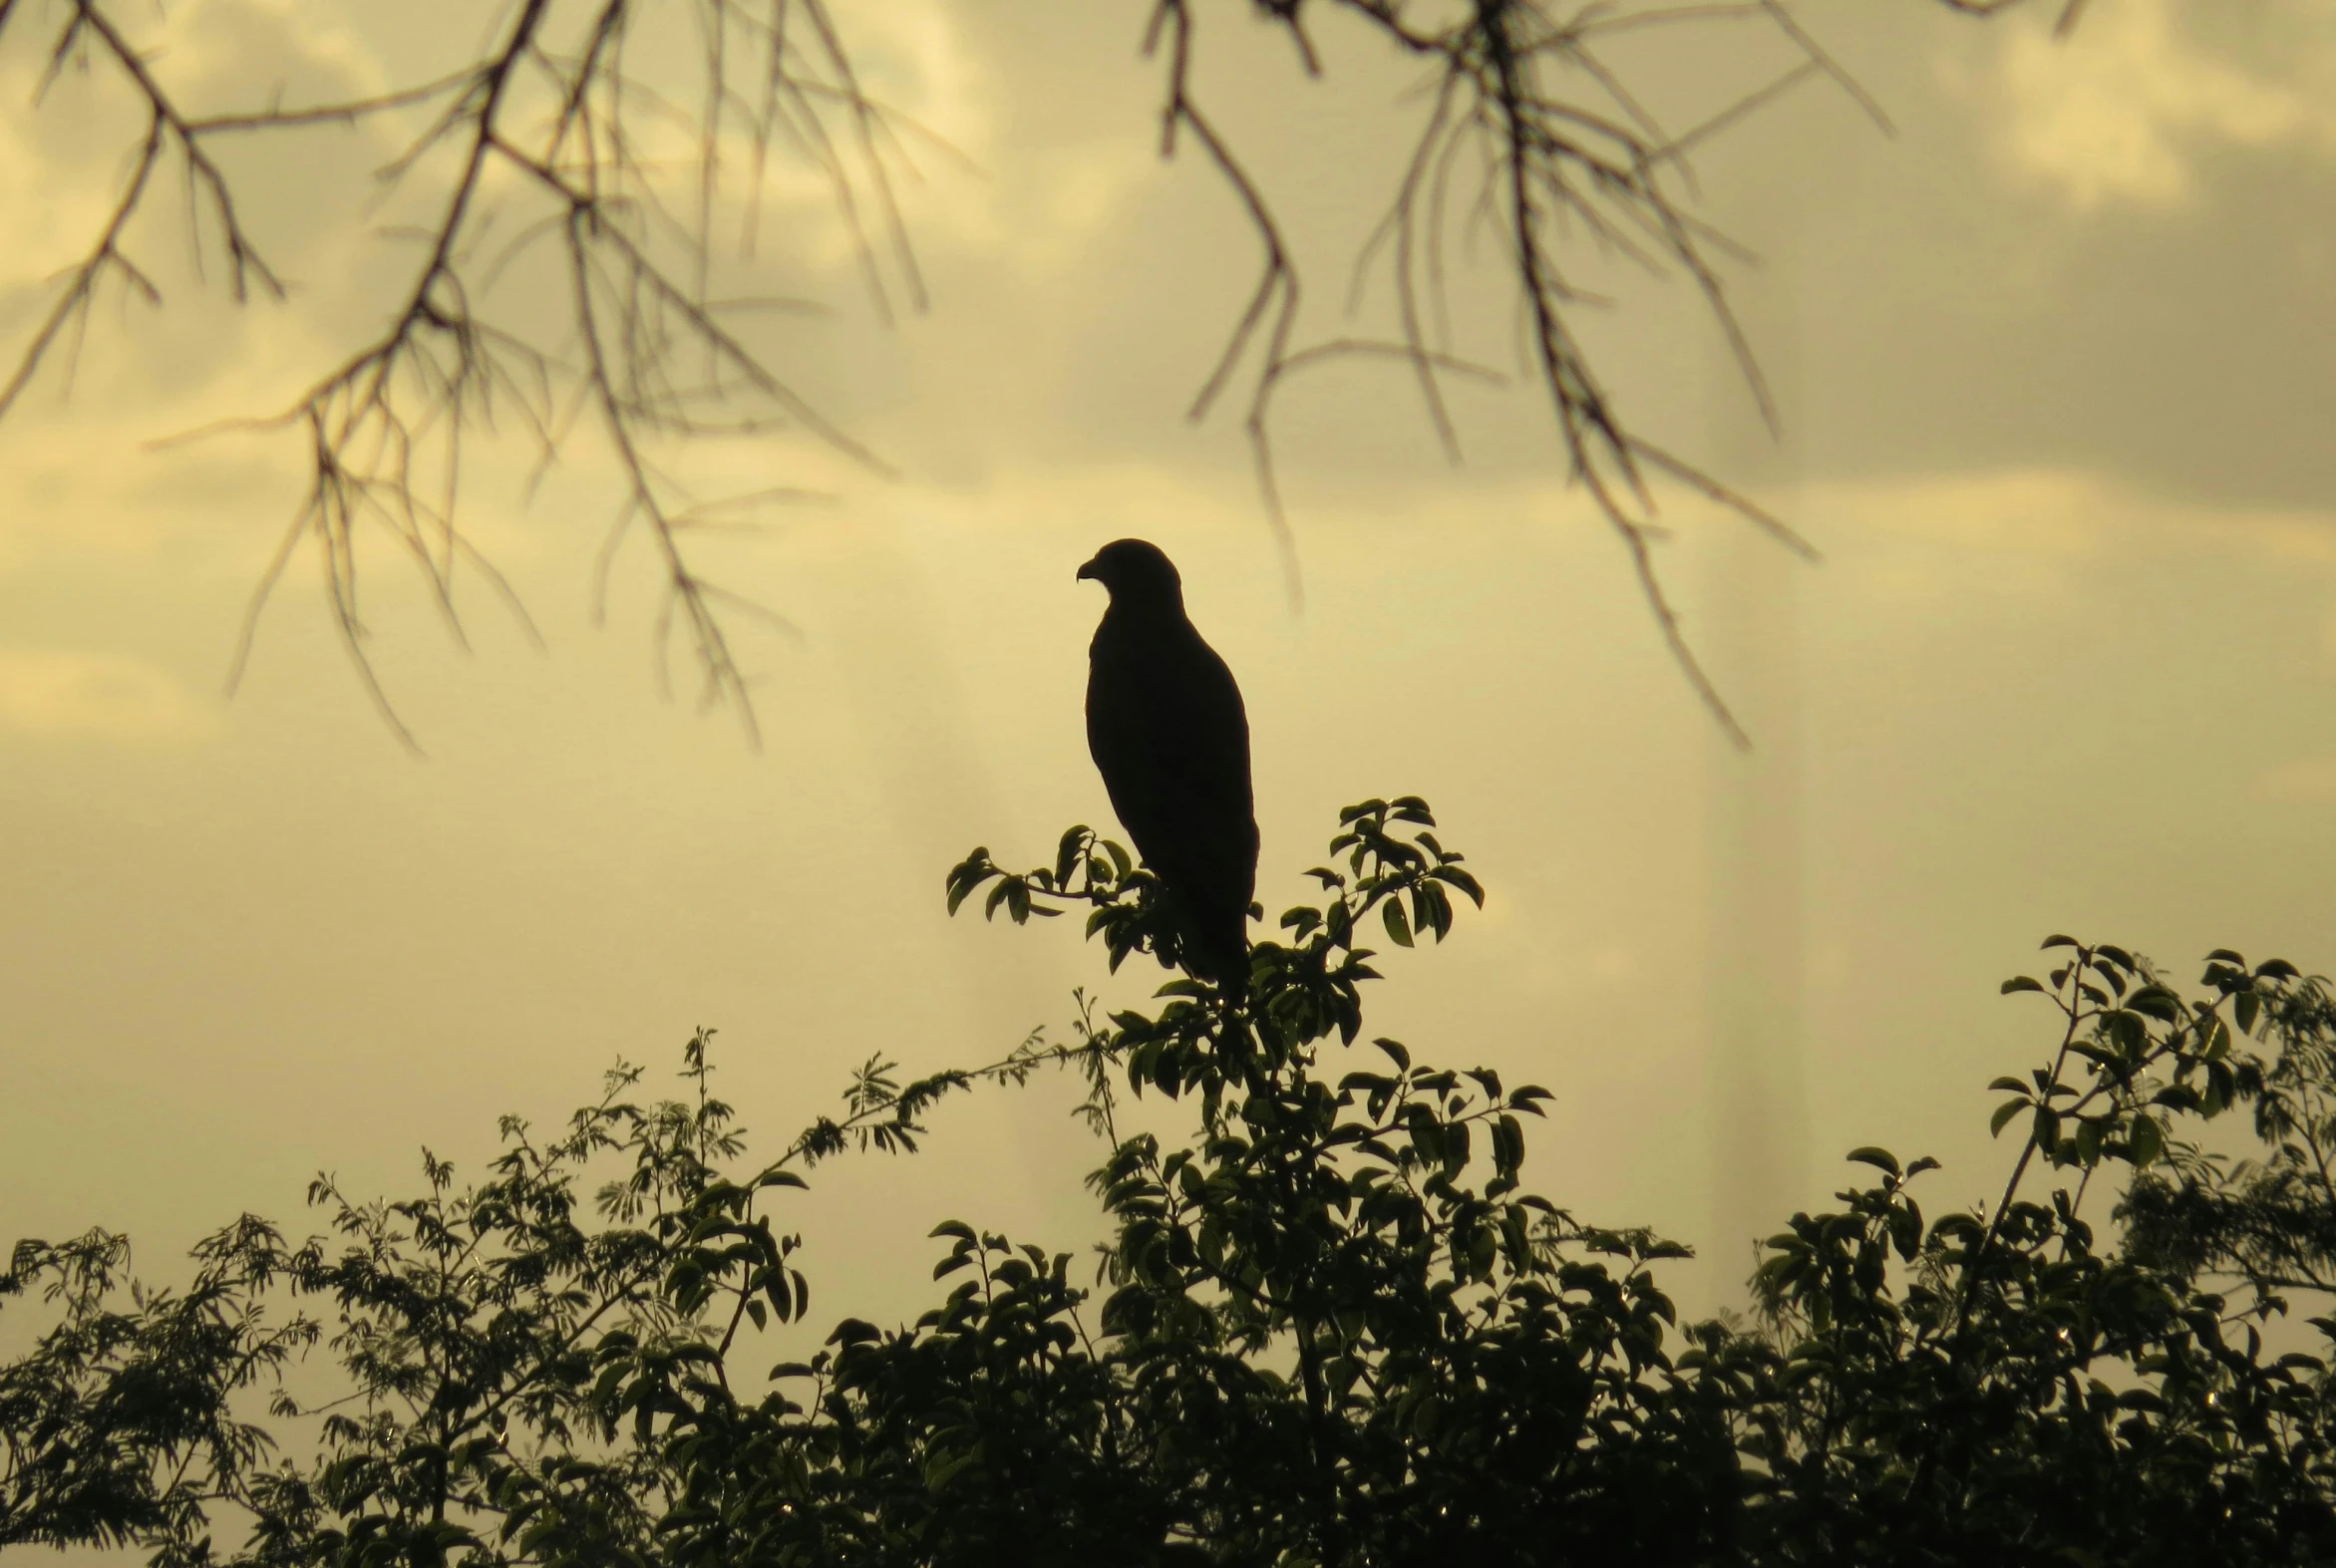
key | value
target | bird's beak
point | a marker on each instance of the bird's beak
(1088, 573)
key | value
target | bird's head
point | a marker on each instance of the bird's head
(1137, 574)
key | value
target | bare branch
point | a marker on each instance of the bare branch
(552, 128)
(548, 121)
(1550, 160)
(2070, 11)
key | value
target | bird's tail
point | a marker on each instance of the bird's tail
(1220, 953)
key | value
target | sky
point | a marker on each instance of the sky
(2052, 357)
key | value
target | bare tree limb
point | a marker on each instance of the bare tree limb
(1550, 155)
(550, 120)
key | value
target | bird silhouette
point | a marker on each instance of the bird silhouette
(1165, 725)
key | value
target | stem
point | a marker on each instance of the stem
(2076, 1014)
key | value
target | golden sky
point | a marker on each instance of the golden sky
(2056, 363)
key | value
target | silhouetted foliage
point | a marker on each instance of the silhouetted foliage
(1331, 1325)
(2268, 1222)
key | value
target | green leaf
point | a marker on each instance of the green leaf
(969, 874)
(2047, 1129)
(1879, 1158)
(1906, 1231)
(1398, 928)
(2003, 1113)
(1069, 852)
(2021, 983)
(1432, 910)
(1507, 1145)
(2146, 1141)
(1461, 881)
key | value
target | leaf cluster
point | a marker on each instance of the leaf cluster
(1331, 1323)
(1994, 1385)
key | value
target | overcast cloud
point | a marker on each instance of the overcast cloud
(2054, 362)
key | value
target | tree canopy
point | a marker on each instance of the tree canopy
(1332, 1323)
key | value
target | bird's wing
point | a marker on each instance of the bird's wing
(1166, 723)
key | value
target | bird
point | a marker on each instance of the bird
(1169, 734)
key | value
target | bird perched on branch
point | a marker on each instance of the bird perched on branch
(1169, 734)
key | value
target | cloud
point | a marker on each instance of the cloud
(2071, 513)
(2309, 780)
(2058, 512)
(52, 691)
(2120, 113)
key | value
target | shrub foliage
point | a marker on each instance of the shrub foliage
(1331, 1325)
